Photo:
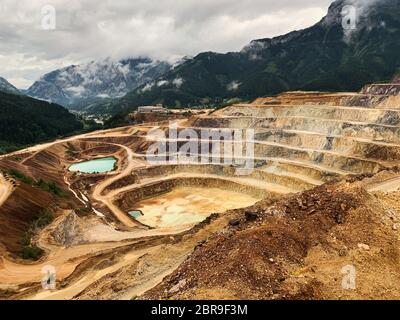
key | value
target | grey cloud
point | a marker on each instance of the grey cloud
(167, 29)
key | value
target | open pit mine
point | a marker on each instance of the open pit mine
(318, 217)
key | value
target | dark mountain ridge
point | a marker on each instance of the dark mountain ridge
(25, 121)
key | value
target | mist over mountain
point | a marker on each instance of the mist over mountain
(326, 56)
(77, 86)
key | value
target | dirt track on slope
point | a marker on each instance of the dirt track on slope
(389, 185)
(5, 189)
(107, 200)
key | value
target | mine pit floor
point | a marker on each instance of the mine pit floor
(189, 205)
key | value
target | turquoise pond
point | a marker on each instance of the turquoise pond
(135, 214)
(101, 165)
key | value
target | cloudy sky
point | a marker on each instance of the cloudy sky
(166, 29)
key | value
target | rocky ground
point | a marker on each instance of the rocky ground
(301, 247)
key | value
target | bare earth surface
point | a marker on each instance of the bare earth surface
(323, 197)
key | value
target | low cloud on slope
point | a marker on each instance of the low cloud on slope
(168, 29)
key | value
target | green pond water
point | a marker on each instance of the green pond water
(135, 214)
(101, 165)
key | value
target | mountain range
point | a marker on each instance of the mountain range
(325, 56)
(78, 86)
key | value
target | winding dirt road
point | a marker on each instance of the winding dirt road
(108, 199)
(6, 189)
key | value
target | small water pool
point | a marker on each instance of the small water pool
(135, 213)
(101, 165)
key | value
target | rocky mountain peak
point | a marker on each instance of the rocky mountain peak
(78, 85)
(5, 86)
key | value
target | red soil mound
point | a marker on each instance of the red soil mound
(292, 250)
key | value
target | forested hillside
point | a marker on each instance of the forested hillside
(24, 121)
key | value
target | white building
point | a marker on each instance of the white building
(152, 109)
